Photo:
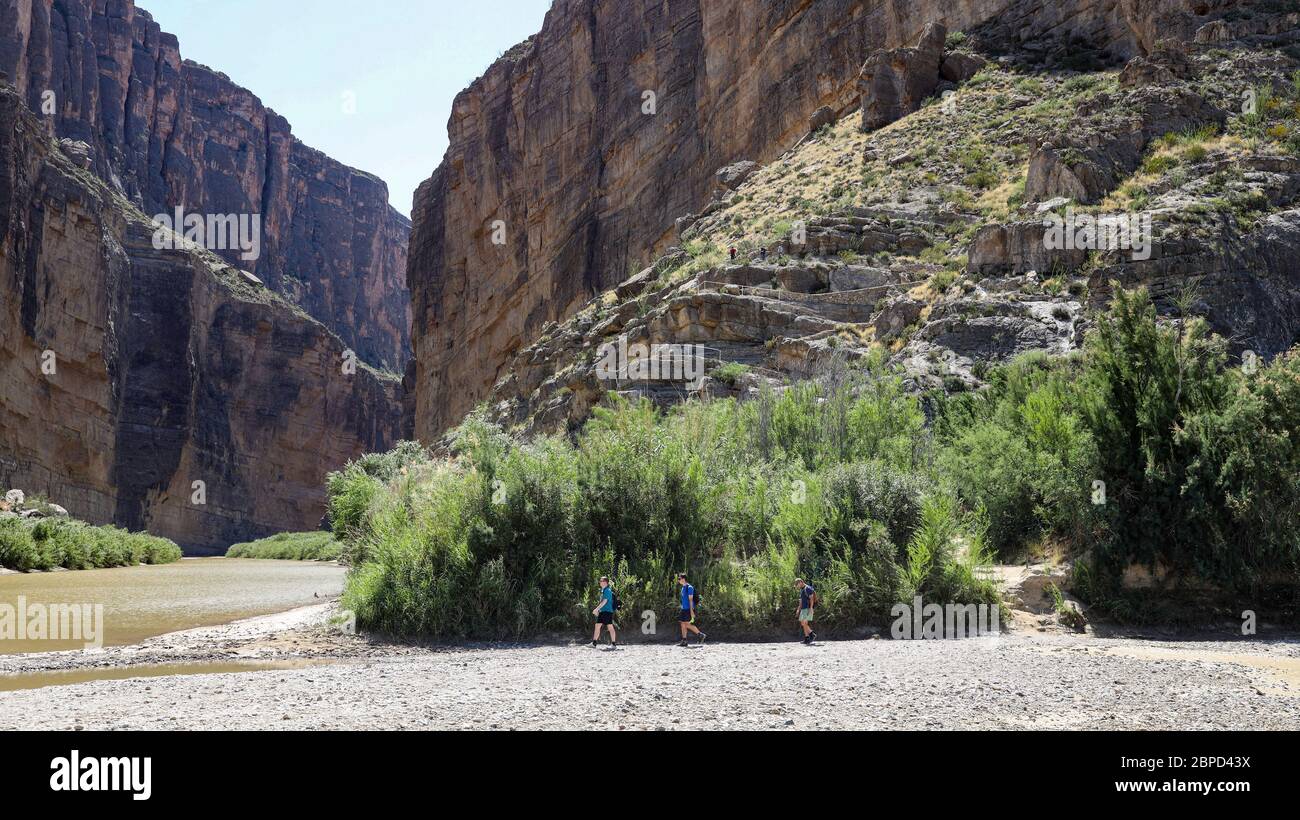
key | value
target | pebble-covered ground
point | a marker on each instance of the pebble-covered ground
(1009, 682)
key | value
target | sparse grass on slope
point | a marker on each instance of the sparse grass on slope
(971, 152)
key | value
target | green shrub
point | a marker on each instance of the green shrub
(352, 489)
(841, 480)
(50, 543)
(1198, 459)
(1020, 452)
(730, 373)
(17, 547)
(508, 540)
(290, 546)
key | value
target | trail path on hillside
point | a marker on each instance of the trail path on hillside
(1014, 681)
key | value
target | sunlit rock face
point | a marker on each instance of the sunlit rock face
(572, 158)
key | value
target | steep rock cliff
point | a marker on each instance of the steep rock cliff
(130, 373)
(929, 245)
(562, 176)
(168, 132)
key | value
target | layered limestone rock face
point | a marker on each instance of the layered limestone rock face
(944, 243)
(564, 175)
(131, 373)
(170, 133)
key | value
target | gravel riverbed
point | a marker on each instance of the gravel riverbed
(1014, 681)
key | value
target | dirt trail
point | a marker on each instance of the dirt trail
(1017, 680)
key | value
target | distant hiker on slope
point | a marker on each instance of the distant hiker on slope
(690, 602)
(605, 613)
(733, 254)
(807, 600)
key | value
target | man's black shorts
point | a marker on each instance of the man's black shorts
(685, 617)
(605, 617)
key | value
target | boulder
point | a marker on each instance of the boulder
(801, 280)
(684, 224)
(821, 118)
(1216, 32)
(858, 277)
(959, 66)
(999, 250)
(897, 317)
(1051, 177)
(733, 176)
(635, 285)
(1140, 71)
(79, 152)
(894, 82)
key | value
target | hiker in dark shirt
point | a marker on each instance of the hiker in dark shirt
(807, 600)
(762, 254)
(733, 254)
(605, 614)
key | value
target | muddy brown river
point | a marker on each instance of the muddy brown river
(141, 602)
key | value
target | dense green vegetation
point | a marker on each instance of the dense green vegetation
(1199, 462)
(48, 543)
(509, 539)
(290, 546)
(844, 481)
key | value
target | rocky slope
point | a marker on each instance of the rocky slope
(573, 158)
(169, 133)
(927, 240)
(131, 373)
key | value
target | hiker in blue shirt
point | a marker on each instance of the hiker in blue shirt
(807, 600)
(690, 602)
(605, 614)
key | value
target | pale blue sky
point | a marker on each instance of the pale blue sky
(404, 60)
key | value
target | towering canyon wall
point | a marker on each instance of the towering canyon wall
(130, 373)
(555, 150)
(167, 132)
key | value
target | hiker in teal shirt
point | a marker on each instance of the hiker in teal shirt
(605, 614)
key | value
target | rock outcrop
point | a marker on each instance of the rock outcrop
(1105, 141)
(573, 158)
(894, 82)
(169, 133)
(132, 374)
(945, 264)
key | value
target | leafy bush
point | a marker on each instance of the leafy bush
(45, 544)
(508, 539)
(842, 480)
(17, 547)
(352, 489)
(730, 373)
(290, 546)
(1199, 459)
(1020, 453)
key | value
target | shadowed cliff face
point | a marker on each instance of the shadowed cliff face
(556, 153)
(130, 373)
(171, 133)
